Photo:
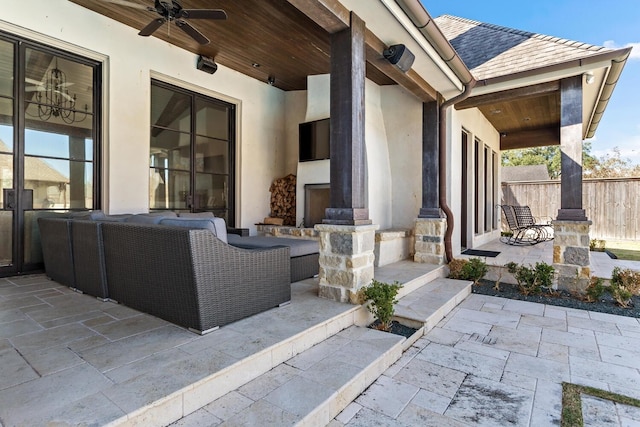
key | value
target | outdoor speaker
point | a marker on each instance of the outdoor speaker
(206, 64)
(400, 56)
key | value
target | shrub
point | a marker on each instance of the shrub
(475, 270)
(595, 289)
(596, 245)
(532, 281)
(624, 284)
(472, 269)
(455, 268)
(381, 298)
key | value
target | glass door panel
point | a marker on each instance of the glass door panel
(6, 213)
(190, 152)
(169, 190)
(7, 171)
(47, 144)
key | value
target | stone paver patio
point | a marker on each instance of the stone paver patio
(489, 362)
(497, 362)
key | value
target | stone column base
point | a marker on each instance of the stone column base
(571, 257)
(346, 260)
(429, 234)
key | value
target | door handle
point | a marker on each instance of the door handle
(9, 197)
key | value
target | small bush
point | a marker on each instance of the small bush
(455, 268)
(624, 284)
(532, 281)
(472, 269)
(596, 245)
(475, 270)
(595, 289)
(382, 297)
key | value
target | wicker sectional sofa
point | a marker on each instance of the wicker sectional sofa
(198, 279)
(190, 277)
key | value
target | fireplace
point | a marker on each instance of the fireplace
(316, 200)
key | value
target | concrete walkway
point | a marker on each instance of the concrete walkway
(499, 362)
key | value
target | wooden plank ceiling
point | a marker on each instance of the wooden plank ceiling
(260, 38)
(525, 117)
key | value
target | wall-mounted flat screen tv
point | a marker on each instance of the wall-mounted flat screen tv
(314, 140)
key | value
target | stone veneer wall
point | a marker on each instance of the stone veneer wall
(571, 257)
(346, 260)
(429, 235)
(285, 231)
(393, 245)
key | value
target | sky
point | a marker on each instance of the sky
(609, 23)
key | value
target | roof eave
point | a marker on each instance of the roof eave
(617, 65)
(429, 29)
(616, 58)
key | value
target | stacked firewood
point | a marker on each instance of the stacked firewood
(283, 199)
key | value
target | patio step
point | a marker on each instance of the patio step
(311, 388)
(314, 386)
(412, 275)
(426, 306)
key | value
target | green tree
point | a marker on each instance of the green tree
(549, 156)
(612, 166)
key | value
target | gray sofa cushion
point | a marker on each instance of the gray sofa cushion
(92, 215)
(115, 218)
(144, 219)
(297, 247)
(216, 225)
(196, 215)
(164, 214)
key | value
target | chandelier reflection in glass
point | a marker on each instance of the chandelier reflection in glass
(53, 98)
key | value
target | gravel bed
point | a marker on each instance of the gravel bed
(605, 305)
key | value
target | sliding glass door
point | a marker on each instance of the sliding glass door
(48, 144)
(192, 152)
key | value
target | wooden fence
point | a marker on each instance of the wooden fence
(612, 204)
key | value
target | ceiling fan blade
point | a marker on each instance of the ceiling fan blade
(153, 25)
(65, 95)
(195, 34)
(128, 4)
(33, 81)
(35, 89)
(203, 14)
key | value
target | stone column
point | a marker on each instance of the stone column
(430, 225)
(346, 260)
(429, 234)
(347, 143)
(571, 256)
(571, 150)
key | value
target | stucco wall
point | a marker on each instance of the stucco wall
(379, 179)
(402, 114)
(378, 168)
(129, 63)
(477, 126)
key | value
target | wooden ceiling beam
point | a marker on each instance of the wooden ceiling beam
(333, 16)
(328, 14)
(542, 137)
(509, 95)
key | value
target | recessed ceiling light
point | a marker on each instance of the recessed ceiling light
(496, 111)
(526, 119)
(255, 65)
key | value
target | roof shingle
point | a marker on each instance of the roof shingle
(492, 51)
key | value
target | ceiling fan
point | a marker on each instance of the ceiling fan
(172, 11)
(41, 86)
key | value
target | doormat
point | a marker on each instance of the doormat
(476, 252)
